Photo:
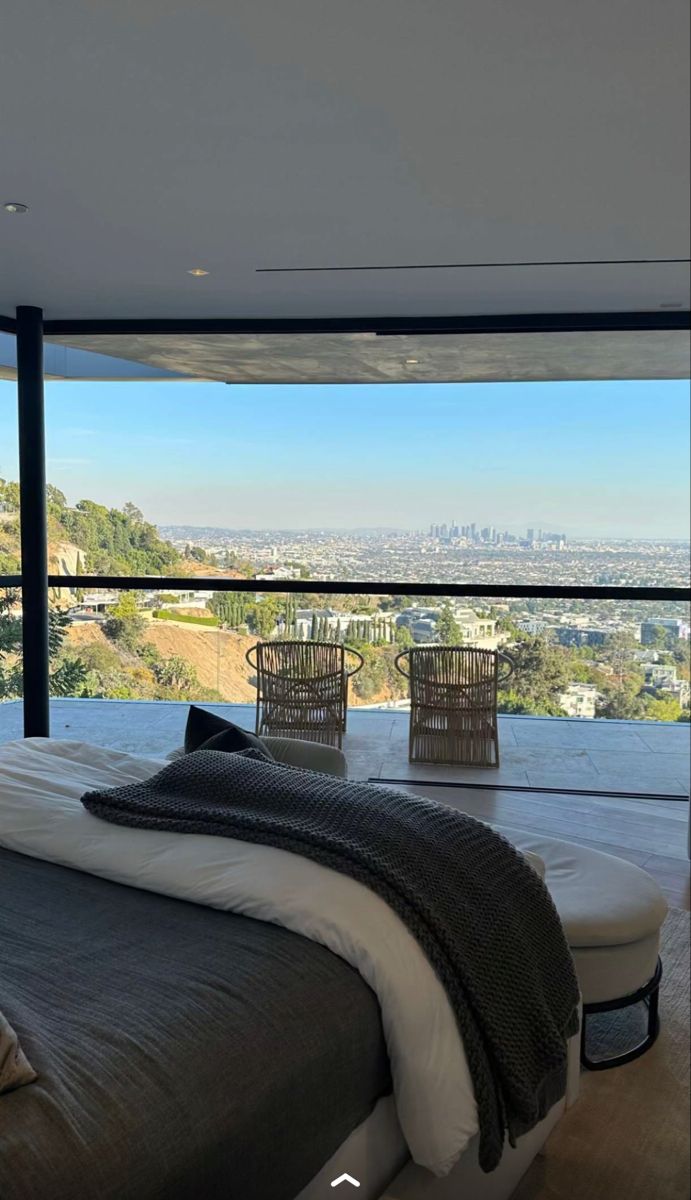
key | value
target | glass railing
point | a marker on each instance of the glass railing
(611, 659)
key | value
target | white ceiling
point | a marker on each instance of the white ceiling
(151, 136)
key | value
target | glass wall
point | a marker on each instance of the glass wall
(622, 660)
(538, 481)
(499, 484)
(542, 460)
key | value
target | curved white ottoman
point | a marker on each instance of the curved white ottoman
(612, 912)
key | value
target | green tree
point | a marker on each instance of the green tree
(149, 654)
(661, 708)
(105, 674)
(541, 673)
(510, 631)
(10, 648)
(448, 629)
(222, 605)
(78, 591)
(231, 608)
(404, 638)
(125, 625)
(263, 615)
(658, 637)
(56, 501)
(621, 702)
(67, 674)
(133, 513)
(9, 564)
(618, 650)
(378, 677)
(176, 673)
(113, 541)
(9, 495)
(681, 655)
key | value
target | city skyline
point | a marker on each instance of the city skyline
(167, 528)
(603, 459)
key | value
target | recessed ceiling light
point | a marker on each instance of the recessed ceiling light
(13, 206)
(197, 272)
(412, 362)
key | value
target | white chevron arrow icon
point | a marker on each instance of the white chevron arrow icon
(345, 1179)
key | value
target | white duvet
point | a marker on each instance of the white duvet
(41, 782)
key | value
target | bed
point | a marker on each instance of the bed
(292, 998)
(176, 1046)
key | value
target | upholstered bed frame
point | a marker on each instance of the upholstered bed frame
(375, 1154)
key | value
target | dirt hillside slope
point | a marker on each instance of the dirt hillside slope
(218, 657)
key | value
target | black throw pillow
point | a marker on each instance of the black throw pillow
(227, 740)
(203, 725)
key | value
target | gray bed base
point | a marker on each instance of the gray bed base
(376, 1155)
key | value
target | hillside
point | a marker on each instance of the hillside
(162, 659)
(145, 658)
(206, 570)
(64, 558)
(90, 538)
(217, 657)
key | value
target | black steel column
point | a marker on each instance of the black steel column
(34, 531)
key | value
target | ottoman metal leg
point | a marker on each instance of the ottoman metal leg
(648, 993)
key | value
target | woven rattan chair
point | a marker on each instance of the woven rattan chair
(453, 704)
(302, 689)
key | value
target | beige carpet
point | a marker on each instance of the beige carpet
(627, 1138)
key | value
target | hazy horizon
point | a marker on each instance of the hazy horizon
(594, 460)
(384, 529)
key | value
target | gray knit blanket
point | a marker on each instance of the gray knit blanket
(481, 914)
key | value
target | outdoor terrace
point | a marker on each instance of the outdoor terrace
(600, 783)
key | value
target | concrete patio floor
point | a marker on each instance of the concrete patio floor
(536, 752)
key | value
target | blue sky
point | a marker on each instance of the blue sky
(592, 459)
